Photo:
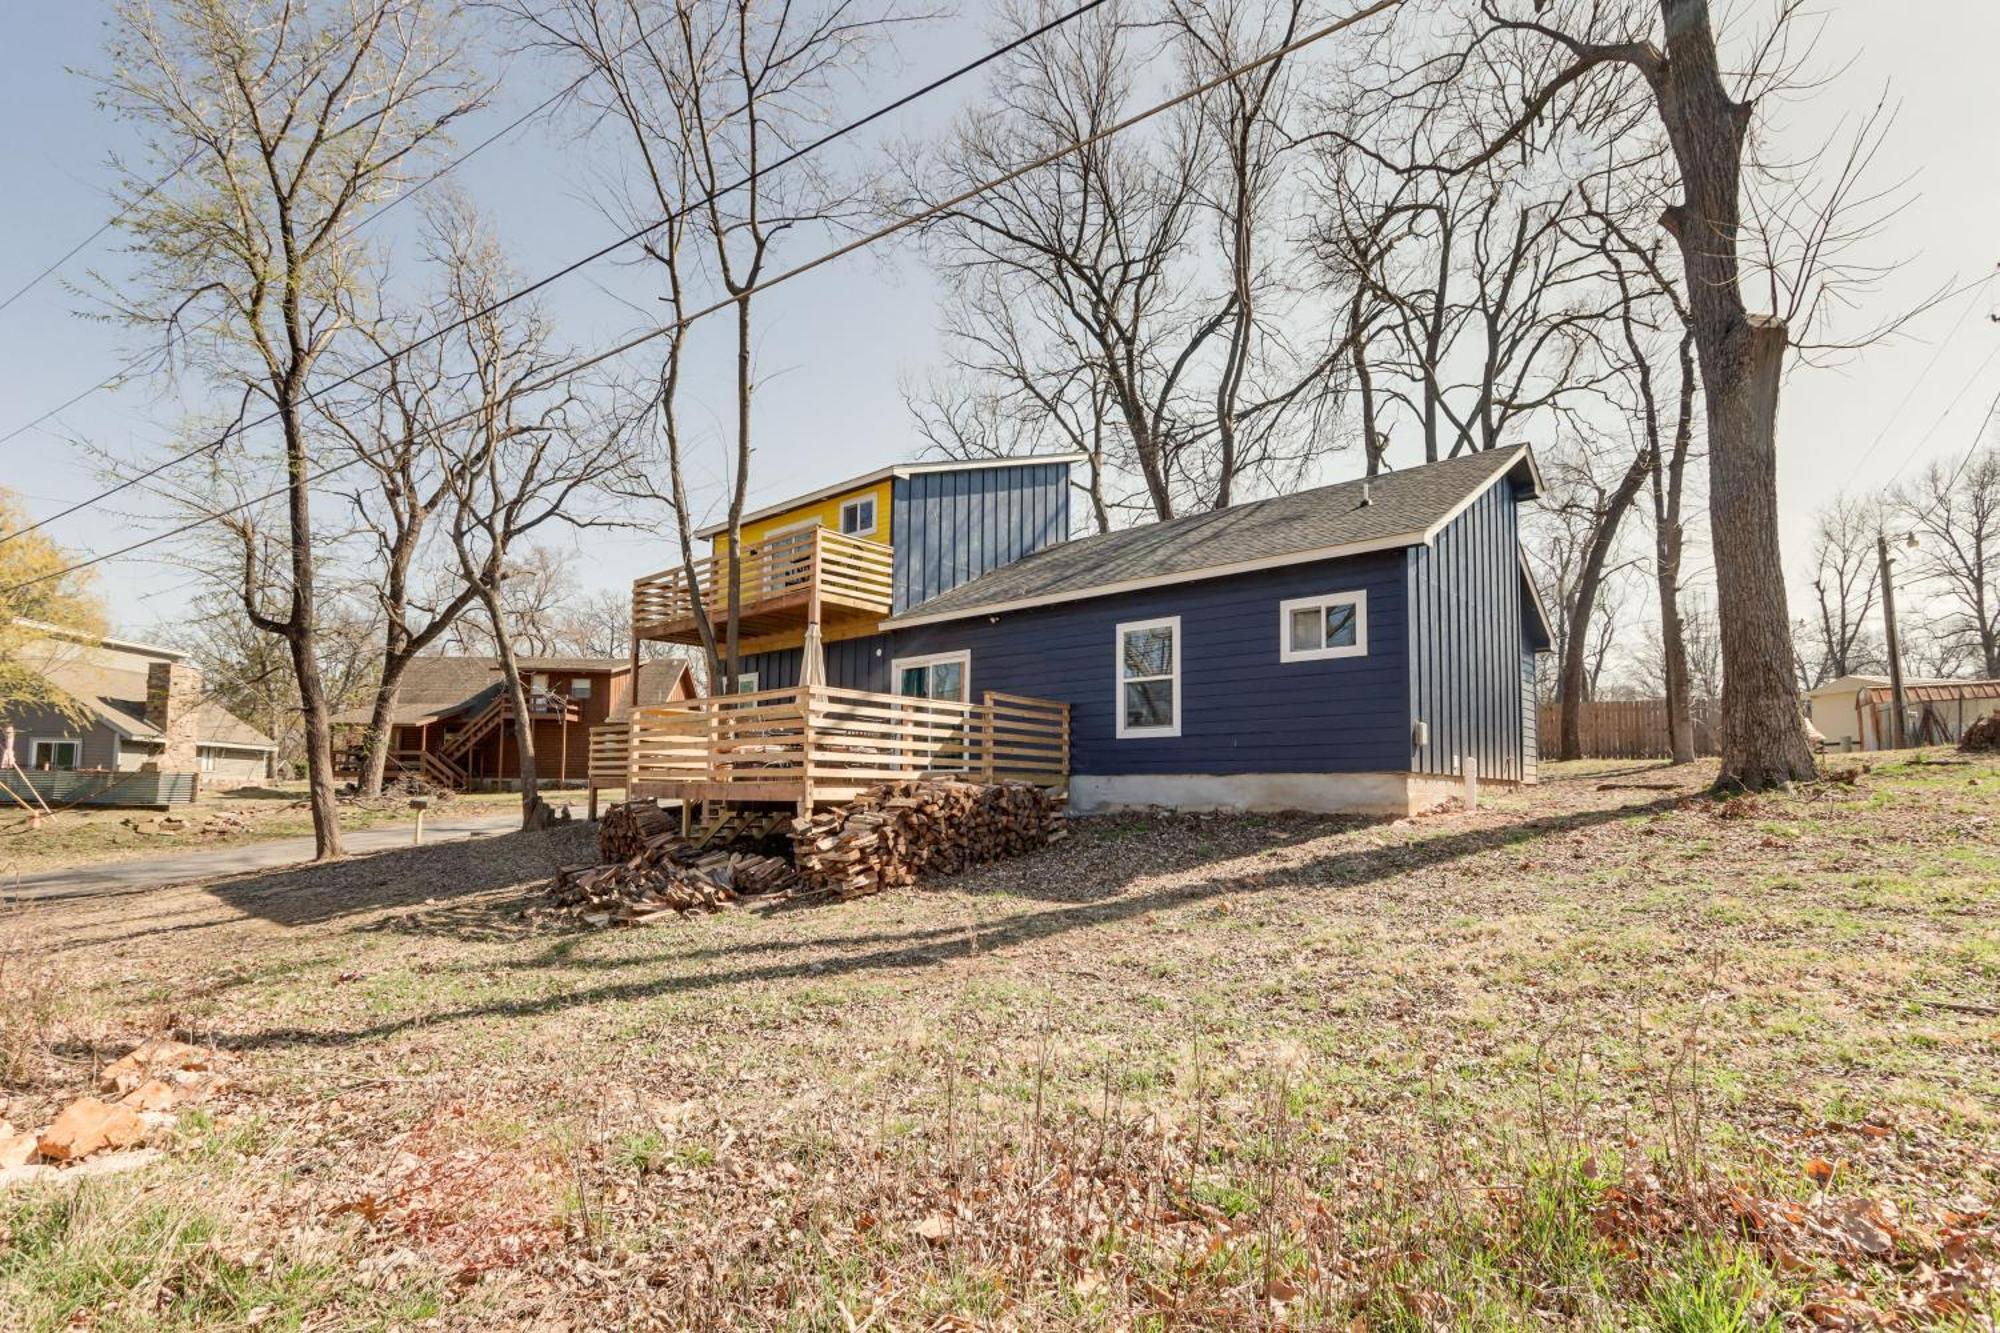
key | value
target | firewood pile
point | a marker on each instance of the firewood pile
(634, 828)
(1982, 735)
(898, 832)
(891, 836)
(651, 887)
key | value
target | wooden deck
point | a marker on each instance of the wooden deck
(782, 577)
(813, 744)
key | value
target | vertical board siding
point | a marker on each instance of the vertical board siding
(1531, 743)
(1467, 644)
(953, 526)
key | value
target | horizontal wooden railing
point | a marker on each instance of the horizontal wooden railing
(610, 753)
(849, 571)
(829, 738)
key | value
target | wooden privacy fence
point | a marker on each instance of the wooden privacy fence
(1623, 729)
(808, 743)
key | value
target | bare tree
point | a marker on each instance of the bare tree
(291, 121)
(523, 459)
(1138, 282)
(1955, 511)
(1706, 118)
(1845, 583)
(389, 421)
(706, 94)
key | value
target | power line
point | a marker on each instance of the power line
(102, 227)
(387, 358)
(1922, 375)
(136, 362)
(861, 242)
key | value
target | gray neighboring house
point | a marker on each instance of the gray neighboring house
(142, 712)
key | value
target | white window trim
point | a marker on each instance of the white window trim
(750, 676)
(874, 516)
(962, 656)
(1358, 599)
(1119, 679)
(77, 741)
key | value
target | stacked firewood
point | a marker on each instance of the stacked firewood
(896, 833)
(649, 887)
(633, 828)
(650, 871)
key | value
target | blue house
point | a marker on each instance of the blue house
(1360, 646)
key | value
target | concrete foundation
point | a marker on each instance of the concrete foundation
(1313, 793)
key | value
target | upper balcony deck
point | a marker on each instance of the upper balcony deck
(784, 579)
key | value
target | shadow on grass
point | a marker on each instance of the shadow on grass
(405, 877)
(740, 964)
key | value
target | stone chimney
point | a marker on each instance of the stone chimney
(173, 705)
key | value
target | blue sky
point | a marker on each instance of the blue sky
(835, 345)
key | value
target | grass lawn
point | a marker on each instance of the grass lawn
(219, 819)
(1607, 1053)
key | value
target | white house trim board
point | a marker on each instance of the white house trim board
(1357, 598)
(1119, 680)
(1509, 458)
(962, 656)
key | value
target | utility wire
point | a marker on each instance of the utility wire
(102, 227)
(136, 362)
(861, 242)
(546, 280)
(1978, 288)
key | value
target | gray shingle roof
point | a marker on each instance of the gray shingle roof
(1401, 508)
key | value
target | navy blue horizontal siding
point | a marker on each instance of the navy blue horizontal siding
(1242, 709)
(949, 527)
(1466, 642)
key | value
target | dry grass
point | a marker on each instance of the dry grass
(1605, 1054)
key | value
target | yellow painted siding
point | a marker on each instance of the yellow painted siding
(827, 511)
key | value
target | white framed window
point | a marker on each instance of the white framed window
(63, 753)
(1312, 629)
(1149, 678)
(579, 687)
(746, 682)
(935, 676)
(207, 760)
(857, 517)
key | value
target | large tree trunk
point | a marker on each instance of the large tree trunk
(1571, 689)
(319, 745)
(535, 812)
(1674, 667)
(301, 628)
(1668, 481)
(1763, 739)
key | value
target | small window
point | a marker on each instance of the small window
(579, 687)
(857, 517)
(938, 676)
(746, 682)
(1311, 629)
(55, 755)
(207, 761)
(1149, 678)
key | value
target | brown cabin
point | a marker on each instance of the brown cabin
(453, 722)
